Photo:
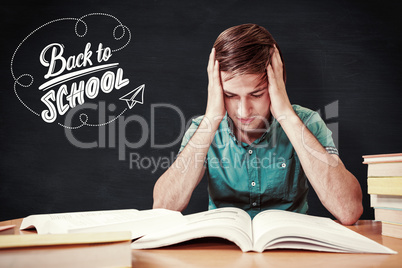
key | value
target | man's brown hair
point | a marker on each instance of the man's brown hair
(245, 49)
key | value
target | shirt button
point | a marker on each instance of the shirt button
(283, 165)
(254, 204)
(253, 183)
(250, 151)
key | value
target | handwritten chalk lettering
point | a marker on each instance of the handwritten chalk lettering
(50, 115)
(55, 101)
(103, 54)
(107, 82)
(120, 82)
(76, 94)
(57, 59)
(61, 108)
(92, 88)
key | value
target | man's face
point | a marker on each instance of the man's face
(247, 102)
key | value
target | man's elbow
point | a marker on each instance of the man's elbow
(352, 216)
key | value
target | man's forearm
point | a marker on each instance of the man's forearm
(338, 190)
(174, 188)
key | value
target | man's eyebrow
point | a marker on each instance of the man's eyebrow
(228, 92)
(250, 93)
(256, 91)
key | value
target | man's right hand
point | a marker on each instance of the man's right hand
(216, 105)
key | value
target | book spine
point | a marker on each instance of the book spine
(388, 215)
(384, 185)
(382, 155)
(384, 170)
(382, 158)
(386, 201)
(390, 229)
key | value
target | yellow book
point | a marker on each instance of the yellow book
(384, 185)
(66, 250)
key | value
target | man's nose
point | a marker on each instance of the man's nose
(243, 109)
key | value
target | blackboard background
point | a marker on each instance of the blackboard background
(345, 51)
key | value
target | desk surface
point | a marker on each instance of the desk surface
(221, 253)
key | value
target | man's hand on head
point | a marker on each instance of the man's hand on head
(280, 104)
(216, 106)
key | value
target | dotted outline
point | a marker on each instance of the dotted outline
(124, 28)
(16, 80)
(84, 123)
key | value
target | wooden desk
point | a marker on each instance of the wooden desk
(220, 253)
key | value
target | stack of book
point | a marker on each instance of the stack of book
(384, 181)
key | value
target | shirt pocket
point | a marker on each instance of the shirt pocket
(281, 182)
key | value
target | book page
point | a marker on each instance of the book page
(73, 220)
(230, 223)
(138, 222)
(272, 228)
(229, 217)
(78, 220)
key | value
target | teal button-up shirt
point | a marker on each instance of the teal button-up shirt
(266, 174)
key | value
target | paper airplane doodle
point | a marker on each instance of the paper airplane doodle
(137, 95)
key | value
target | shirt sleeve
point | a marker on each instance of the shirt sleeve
(190, 132)
(320, 130)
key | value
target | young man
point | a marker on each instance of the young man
(257, 149)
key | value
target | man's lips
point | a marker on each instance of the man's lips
(245, 121)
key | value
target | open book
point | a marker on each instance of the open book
(137, 222)
(270, 229)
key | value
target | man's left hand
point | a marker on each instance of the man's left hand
(280, 104)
